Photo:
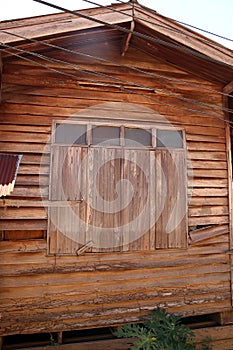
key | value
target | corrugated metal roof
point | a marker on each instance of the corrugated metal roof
(8, 171)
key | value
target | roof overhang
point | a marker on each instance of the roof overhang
(155, 34)
(51, 25)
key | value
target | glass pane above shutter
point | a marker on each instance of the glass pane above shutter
(137, 137)
(106, 135)
(169, 138)
(71, 134)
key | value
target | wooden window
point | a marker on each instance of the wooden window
(113, 193)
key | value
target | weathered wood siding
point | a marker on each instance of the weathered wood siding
(47, 293)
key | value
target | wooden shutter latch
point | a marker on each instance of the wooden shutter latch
(84, 248)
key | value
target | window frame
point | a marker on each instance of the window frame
(89, 124)
(145, 126)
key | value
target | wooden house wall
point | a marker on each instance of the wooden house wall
(52, 293)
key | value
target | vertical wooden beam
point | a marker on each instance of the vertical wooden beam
(225, 318)
(0, 78)
(1, 342)
(227, 90)
(59, 338)
(229, 167)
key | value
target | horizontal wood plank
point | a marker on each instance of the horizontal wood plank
(65, 292)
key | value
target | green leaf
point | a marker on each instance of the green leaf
(163, 331)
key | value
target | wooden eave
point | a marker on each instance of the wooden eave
(179, 55)
(228, 89)
(185, 48)
(53, 25)
(158, 36)
(181, 34)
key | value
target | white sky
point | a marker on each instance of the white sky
(213, 15)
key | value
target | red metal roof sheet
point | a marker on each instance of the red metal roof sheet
(8, 171)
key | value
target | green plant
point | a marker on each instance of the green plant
(163, 331)
(53, 342)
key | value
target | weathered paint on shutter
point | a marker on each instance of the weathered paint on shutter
(136, 216)
(132, 199)
(171, 198)
(92, 175)
(68, 181)
(104, 199)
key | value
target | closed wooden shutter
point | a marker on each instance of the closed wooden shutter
(136, 216)
(130, 199)
(171, 196)
(103, 199)
(68, 177)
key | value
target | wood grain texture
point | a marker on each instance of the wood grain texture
(97, 289)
